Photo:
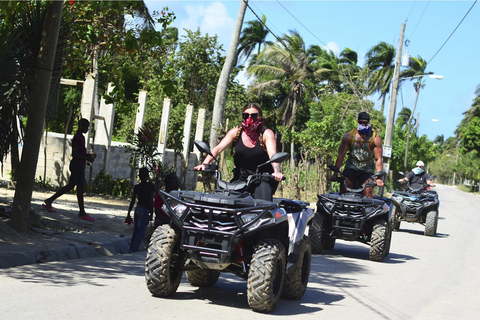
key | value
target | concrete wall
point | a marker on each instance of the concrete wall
(57, 172)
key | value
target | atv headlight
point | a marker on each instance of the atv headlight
(328, 204)
(248, 217)
(369, 210)
(397, 199)
(178, 208)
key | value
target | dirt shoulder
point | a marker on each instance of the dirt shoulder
(63, 227)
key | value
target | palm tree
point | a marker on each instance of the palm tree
(380, 61)
(474, 111)
(416, 70)
(252, 36)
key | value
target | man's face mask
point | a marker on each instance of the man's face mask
(363, 127)
(417, 170)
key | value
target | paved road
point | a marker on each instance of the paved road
(423, 278)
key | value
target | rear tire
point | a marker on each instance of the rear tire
(202, 277)
(296, 281)
(378, 241)
(266, 275)
(316, 232)
(396, 219)
(431, 223)
(163, 268)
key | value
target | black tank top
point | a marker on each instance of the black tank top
(246, 160)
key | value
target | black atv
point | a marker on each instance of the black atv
(228, 230)
(353, 217)
(418, 205)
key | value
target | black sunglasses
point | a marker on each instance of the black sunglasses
(253, 115)
(363, 122)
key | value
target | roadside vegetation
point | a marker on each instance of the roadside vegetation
(309, 95)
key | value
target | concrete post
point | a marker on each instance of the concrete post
(104, 125)
(163, 136)
(87, 109)
(142, 105)
(187, 127)
(199, 131)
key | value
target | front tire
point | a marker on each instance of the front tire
(202, 277)
(266, 275)
(163, 266)
(316, 232)
(431, 223)
(378, 241)
(396, 219)
(296, 281)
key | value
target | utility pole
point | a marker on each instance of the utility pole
(387, 145)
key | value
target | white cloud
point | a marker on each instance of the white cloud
(212, 19)
(332, 46)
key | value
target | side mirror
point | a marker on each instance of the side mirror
(380, 173)
(401, 173)
(433, 177)
(333, 168)
(278, 157)
(203, 147)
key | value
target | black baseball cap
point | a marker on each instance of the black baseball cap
(363, 116)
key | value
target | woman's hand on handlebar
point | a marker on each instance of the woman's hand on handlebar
(278, 176)
(200, 167)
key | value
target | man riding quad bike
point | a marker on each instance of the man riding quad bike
(264, 242)
(352, 216)
(416, 205)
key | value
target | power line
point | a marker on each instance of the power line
(421, 16)
(452, 32)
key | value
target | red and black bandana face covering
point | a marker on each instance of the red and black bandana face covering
(251, 125)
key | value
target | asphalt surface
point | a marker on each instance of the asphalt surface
(62, 235)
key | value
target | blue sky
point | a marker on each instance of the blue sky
(359, 25)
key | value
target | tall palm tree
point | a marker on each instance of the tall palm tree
(380, 61)
(253, 36)
(285, 64)
(415, 71)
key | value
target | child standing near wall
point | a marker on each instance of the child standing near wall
(144, 192)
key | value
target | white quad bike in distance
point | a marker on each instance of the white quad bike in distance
(263, 242)
(353, 217)
(418, 205)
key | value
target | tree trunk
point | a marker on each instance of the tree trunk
(38, 106)
(222, 85)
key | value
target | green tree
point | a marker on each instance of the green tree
(253, 36)
(380, 60)
(37, 109)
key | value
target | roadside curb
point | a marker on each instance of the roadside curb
(72, 251)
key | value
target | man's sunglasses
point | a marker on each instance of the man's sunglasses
(253, 115)
(364, 123)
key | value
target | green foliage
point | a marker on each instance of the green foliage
(104, 183)
(471, 136)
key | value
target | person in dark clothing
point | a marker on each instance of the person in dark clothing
(254, 144)
(364, 149)
(418, 177)
(144, 192)
(77, 171)
(171, 183)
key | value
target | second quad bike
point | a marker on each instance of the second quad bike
(353, 217)
(417, 206)
(263, 242)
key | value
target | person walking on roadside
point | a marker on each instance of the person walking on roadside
(364, 149)
(144, 192)
(77, 171)
(171, 183)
